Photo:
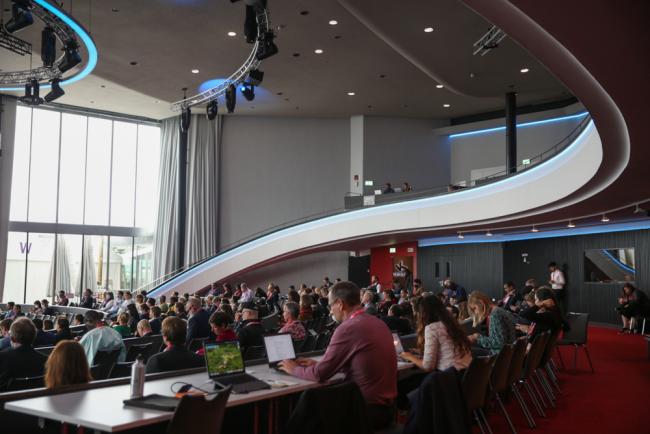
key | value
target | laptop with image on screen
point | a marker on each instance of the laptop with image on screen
(279, 347)
(226, 367)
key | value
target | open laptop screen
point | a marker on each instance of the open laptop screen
(399, 349)
(279, 347)
(223, 358)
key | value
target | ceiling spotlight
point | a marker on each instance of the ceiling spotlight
(460, 235)
(318, 51)
(524, 70)
(250, 25)
(31, 94)
(428, 29)
(212, 109)
(232, 34)
(48, 47)
(605, 219)
(255, 77)
(488, 233)
(231, 98)
(446, 105)
(195, 71)
(571, 224)
(333, 22)
(351, 94)
(267, 47)
(534, 229)
(21, 17)
(56, 91)
(439, 86)
(72, 57)
(248, 90)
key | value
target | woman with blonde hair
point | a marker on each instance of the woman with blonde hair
(501, 323)
(66, 365)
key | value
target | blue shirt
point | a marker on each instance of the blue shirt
(102, 339)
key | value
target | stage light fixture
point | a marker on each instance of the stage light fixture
(56, 91)
(267, 47)
(212, 109)
(31, 94)
(72, 57)
(248, 90)
(250, 25)
(605, 219)
(48, 47)
(231, 98)
(255, 77)
(21, 17)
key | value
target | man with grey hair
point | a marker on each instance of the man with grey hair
(198, 322)
(21, 360)
(143, 328)
(247, 294)
(361, 348)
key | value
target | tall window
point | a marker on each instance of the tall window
(83, 203)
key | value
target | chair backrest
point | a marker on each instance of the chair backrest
(578, 325)
(535, 353)
(550, 347)
(25, 383)
(255, 353)
(322, 341)
(104, 361)
(475, 382)
(121, 370)
(409, 341)
(309, 343)
(44, 350)
(199, 414)
(501, 369)
(517, 360)
(271, 322)
(195, 344)
(134, 350)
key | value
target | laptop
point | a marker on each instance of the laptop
(279, 347)
(399, 348)
(226, 367)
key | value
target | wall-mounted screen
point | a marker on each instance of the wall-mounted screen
(610, 265)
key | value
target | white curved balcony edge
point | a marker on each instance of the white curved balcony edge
(537, 187)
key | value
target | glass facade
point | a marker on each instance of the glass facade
(83, 204)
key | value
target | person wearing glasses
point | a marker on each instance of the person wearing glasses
(362, 349)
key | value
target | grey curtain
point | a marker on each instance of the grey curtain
(201, 229)
(88, 272)
(60, 278)
(7, 132)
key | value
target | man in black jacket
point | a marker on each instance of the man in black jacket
(176, 355)
(21, 360)
(155, 322)
(198, 324)
(87, 301)
(250, 330)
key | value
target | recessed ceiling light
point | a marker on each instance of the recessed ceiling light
(115, 10)
(231, 34)
(571, 224)
(605, 219)
(333, 22)
(524, 70)
(351, 93)
(460, 235)
(195, 71)
(428, 30)
(446, 105)
(318, 51)
(439, 86)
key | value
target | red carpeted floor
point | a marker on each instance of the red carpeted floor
(615, 399)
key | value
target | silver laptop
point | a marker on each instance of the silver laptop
(279, 347)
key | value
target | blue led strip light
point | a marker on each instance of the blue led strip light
(619, 263)
(522, 125)
(85, 38)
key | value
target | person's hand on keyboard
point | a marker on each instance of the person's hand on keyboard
(288, 366)
(305, 363)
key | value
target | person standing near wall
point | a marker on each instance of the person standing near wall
(558, 282)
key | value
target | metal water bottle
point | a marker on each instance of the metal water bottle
(137, 378)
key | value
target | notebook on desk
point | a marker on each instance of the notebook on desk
(226, 367)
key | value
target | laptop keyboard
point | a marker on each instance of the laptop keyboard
(239, 379)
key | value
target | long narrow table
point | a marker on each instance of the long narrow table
(103, 410)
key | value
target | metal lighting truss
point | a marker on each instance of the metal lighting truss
(12, 43)
(65, 34)
(489, 41)
(263, 25)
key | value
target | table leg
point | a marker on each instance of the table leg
(270, 417)
(256, 418)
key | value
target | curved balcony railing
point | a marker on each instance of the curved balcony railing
(390, 198)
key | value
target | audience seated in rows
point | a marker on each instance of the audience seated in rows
(66, 365)
(501, 323)
(63, 329)
(292, 325)
(100, 338)
(248, 327)
(395, 321)
(156, 321)
(358, 343)
(87, 300)
(143, 329)
(198, 324)
(176, 355)
(20, 360)
(547, 317)
(43, 338)
(122, 326)
(511, 298)
(61, 299)
(5, 340)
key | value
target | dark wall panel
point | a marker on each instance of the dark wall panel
(474, 266)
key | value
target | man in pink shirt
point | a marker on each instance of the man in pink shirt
(362, 349)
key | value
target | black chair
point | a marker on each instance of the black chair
(255, 353)
(475, 389)
(514, 374)
(140, 349)
(190, 415)
(531, 363)
(322, 341)
(297, 345)
(576, 336)
(121, 370)
(545, 369)
(104, 361)
(44, 350)
(25, 383)
(271, 322)
(195, 344)
(499, 380)
(309, 343)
